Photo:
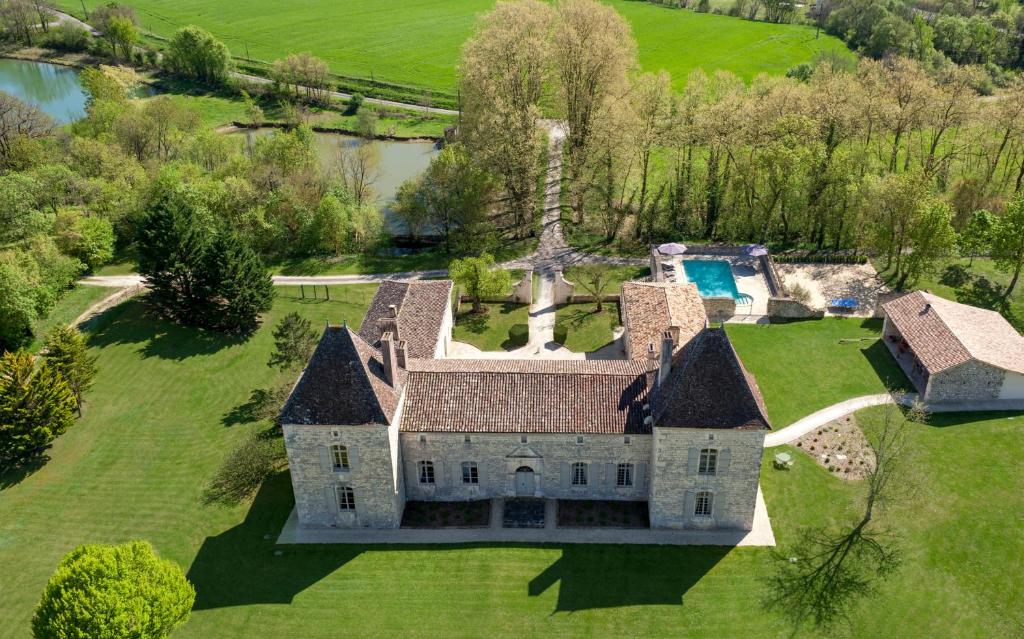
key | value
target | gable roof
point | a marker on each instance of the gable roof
(421, 306)
(343, 384)
(709, 388)
(649, 308)
(527, 396)
(944, 334)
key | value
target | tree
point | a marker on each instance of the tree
(594, 278)
(17, 303)
(195, 53)
(931, 238)
(20, 121)
(253, 112)
(366, 124)
(90, 239)
(36, 407)
(19, 18)
(199, 274)
(67, 354)
(451, 196)
(107, 592)
(479, 278)
(121, 32)
(360, 168)
(1008, 242)
(504, 71)
(828, 570)
(976, 238)
(294, 341)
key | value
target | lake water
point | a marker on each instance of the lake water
(397, 162)
(53, 88)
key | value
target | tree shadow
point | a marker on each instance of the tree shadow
(886, 367)
(14, 475)
(955, 276)
(596, 576)
(947, 420)
(263, 403)
(131, 323)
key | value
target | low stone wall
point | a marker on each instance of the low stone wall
(719, 309)
(522, 291)
(563, 290)
(786, 308)
(584, 299)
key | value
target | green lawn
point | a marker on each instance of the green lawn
(418, 44)
(618, 275)
(581, 329)
(978, 283)
(67, 309)
(503, 327)
(802, 367)
(159, 422)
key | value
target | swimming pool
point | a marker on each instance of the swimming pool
(712, 277)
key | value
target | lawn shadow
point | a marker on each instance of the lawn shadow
(13, 476)
(946, 420)
(888, 371)
(594, 576)
(130, 323)
(263, 403)
(240, 566)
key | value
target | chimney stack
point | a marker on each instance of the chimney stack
(652, 354)
(392, 310)
(400, 353)
(389, 354)
(665, 361)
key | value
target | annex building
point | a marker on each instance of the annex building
(380, 417)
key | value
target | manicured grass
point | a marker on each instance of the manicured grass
(154, 432)
(802, 367)
(978, 283)
(503, 327)
(581, 329)
(618, 275)
(419, 44)
(68, 307)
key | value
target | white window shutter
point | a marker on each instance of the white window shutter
(331, 499)
(480, 473)
(610, 476)
(693, 462)
(565, 475)
(689, 504)
(638, 477)
(326, 464)
(353, 458)
(723, 461)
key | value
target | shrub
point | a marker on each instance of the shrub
(244, 470)
(799, 293)
(113, 591)
(354, 104)
(67, 37)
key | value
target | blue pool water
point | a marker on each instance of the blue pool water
(712, 277)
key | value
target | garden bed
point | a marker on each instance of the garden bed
(840, 447)
(447, 514)
(590, 513)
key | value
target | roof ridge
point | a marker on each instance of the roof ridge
(930, 298)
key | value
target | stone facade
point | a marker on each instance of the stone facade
(549, 456)
(676, 482)
(969, 381)
(372, 453)
(785, 308)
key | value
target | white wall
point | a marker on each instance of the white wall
(1013, 386)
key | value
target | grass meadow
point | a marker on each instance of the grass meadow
(418, 44)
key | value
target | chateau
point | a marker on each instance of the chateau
(381, 417)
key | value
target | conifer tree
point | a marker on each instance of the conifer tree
(294, 341)
(67, 354)
(36, 406)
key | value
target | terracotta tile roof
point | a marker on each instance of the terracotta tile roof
(709, 388)
(944, 334)
(649, 308)
(527, 396)
(421, 306)
(343, 384)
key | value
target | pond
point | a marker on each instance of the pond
(395, 162)
(53, 88)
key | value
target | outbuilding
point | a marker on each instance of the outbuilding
(954, 352)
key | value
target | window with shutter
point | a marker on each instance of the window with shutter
(708, 464)
(624, 477)
(339, 457)
(579, 474)
(426, 472)
(703, 504)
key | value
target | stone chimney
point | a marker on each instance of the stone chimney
(665, 360)
(652, 353)
(392, 310)
(389, 354)
(388, 325)
(400, 356)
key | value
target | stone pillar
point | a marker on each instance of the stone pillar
(522, 291)
(563, 289)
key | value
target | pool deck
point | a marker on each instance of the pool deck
(749, 280)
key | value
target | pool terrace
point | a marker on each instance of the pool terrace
(710, 269)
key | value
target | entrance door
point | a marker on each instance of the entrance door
(524, 482)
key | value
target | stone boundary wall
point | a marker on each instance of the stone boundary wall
(785, 308)
(563, 289)
(775, 286)
(522, 291)
(719, 309)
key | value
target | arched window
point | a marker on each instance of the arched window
(579, 474)
(708, 461)
(339, 457)
(703, 504)
(426, 472)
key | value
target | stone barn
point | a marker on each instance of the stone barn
(954, 352)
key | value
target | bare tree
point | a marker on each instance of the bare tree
(19, 120)
(593, 278)
(359, 164)
(827, 570)
(19, 18)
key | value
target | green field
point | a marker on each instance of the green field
(160, 420)
(417, 44)
(581, 329)
(503, 327)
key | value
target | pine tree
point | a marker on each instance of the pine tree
(67, 354)
(294, 341)
(234, 285)
(36, 406)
